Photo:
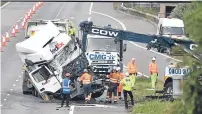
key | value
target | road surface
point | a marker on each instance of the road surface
(13, 101)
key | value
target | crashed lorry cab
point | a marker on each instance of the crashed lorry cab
(102, 54)
(171, 71)
(44, 56)
(171, 27)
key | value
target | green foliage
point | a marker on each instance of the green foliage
(143, 106)
(179, 10)
(191, 102)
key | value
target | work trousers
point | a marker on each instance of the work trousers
(113, 89)
(133, 77)
(153, 80)
(65, 97)
(87, 90)
(125, 93)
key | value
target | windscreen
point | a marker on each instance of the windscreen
(104, 44)
(41, 74)
(173, 31)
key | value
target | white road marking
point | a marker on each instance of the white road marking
(21, 72)
(4, 99)
(11, 89)
(124, 28)
(16, 80)
(71, 111)
(14, 85)
(90, 9)
(19, 76)
(5, 5)
(1, 105)
(60, 10)
(8, 94)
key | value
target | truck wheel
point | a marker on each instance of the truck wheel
(97, 94)
(45, 97)
(35, 92)
(25, 88)
(169, 88)
(25, 92)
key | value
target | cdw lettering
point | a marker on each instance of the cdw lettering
(105, 32)
(97, 57)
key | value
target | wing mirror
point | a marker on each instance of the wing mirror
(56, 72)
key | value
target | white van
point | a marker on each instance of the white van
(171, 27)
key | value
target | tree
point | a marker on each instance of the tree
(179, 10)
(191, 102)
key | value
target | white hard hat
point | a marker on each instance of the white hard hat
(85, 70)
(118, 68)
(133, 59)
(153, 58)
(127, 74)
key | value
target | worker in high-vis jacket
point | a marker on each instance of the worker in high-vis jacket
(132, 69)
(113, 86)
(120, 87)
(66, 90)
(153, 69)
(72, 32)
(32, 33)
(128, 84)
(86, 80)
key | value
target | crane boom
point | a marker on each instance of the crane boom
(162, 42)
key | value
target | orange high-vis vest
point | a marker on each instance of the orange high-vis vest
(153, 68)
(132, 68)
(114, 77)
(120, 87)
(86, 78)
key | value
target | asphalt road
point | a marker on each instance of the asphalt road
(13, 101)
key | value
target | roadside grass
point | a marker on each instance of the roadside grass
(152, 11)
(2, 3)
(143, 106)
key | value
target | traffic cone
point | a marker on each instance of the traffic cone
(3, 41)
(28, 15)
(7, 37)
(40, 4)
(34, 9)
(37, 5)
(13, 33)
(16, 28)
(23, 25)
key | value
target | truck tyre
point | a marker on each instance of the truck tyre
(24, 83)
(169, 88)
(35, 92)
(97, 94)
(45, 97)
